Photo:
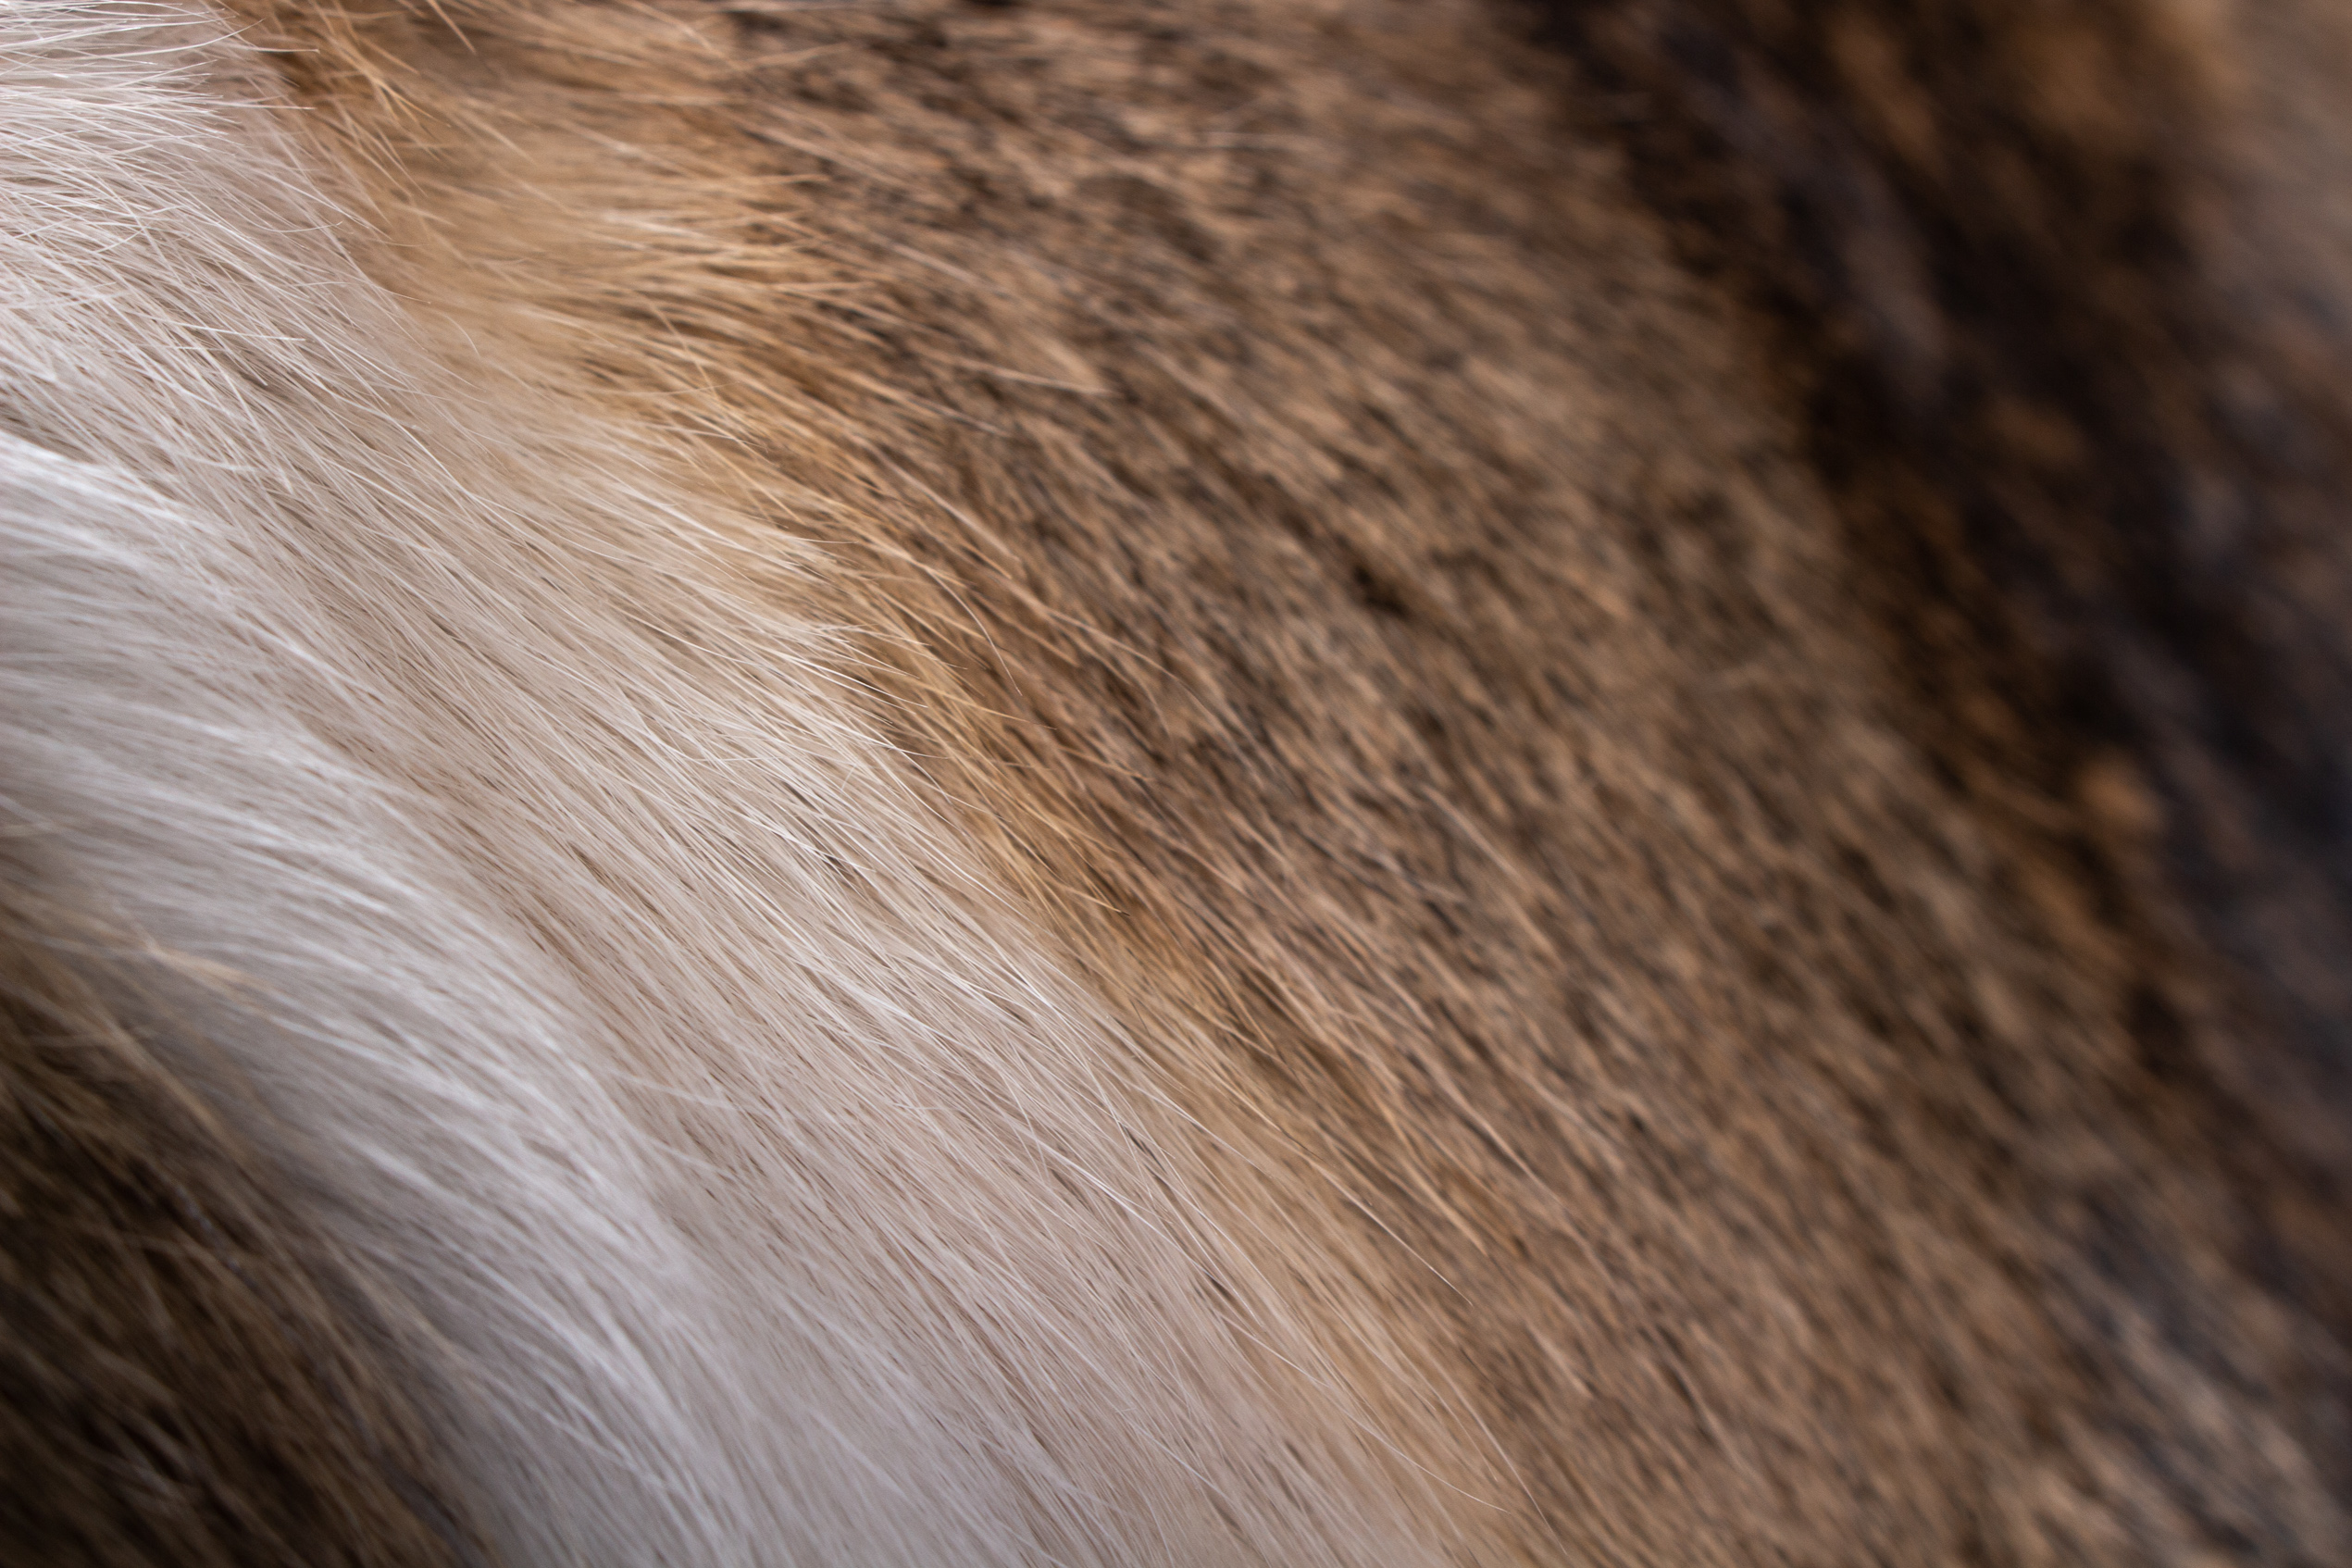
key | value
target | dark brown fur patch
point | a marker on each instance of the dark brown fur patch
(180, 1387)
(2094, 472)
(2095, 480)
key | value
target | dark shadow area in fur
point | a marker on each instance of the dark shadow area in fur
(178, 1387)
(2095, 499)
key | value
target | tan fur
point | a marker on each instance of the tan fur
(1296, 647)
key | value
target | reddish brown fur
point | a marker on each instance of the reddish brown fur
(1590, 851)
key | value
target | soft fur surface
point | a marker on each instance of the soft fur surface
(1087, 783)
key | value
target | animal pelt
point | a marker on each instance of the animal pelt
(1084, 783)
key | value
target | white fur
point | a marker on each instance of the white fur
(447, 789)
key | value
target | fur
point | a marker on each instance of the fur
(380, 767)
(1084, 783)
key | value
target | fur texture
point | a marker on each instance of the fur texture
(1067, 783)
(384, 735)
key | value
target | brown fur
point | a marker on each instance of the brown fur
(180, 1382)
(2055, 284)
(1567, 764)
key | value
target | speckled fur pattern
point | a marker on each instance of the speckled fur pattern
(1093, 783)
